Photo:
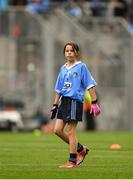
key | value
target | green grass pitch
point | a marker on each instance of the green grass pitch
(26, 156)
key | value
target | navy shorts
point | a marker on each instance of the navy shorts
(70, 110)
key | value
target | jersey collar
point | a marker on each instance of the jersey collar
(77, 62)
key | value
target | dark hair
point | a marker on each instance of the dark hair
(74, 46)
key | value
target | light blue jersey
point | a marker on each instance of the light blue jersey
(72, 82)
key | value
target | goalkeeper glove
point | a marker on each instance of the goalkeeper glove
(95, 109)
(53, 111)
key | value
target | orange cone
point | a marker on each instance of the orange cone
(115, 146)
(48, 128)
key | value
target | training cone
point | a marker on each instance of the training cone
(115, 146)
(48, 128)
(37, 132)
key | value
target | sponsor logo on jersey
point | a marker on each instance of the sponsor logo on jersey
(67, 85)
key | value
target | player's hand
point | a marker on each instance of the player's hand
(53, 111)
(95, 109)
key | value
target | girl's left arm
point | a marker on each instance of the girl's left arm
(92, 94)
(95, 109)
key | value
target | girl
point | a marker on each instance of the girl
(73, 79)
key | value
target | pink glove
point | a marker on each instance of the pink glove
(95, 109)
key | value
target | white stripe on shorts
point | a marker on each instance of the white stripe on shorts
(73, 109)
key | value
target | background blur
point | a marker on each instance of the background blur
(32, 37)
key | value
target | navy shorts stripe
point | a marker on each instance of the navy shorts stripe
(73, 109)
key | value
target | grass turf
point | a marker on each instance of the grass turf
(27, 156)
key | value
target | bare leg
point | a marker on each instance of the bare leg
(71, 129)
(59, 130)
(70, 136)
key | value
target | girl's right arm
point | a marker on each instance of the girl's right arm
(54, 109)
(57, 97)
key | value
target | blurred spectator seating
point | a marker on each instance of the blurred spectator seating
(3, 5)
(17, 2)
(73, 9)
(38, 6)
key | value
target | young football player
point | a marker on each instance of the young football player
(73, 79)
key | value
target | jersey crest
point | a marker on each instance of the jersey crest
(75, 74)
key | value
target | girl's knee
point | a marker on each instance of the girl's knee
(71, 134)
(71, 130)
(58, 132)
